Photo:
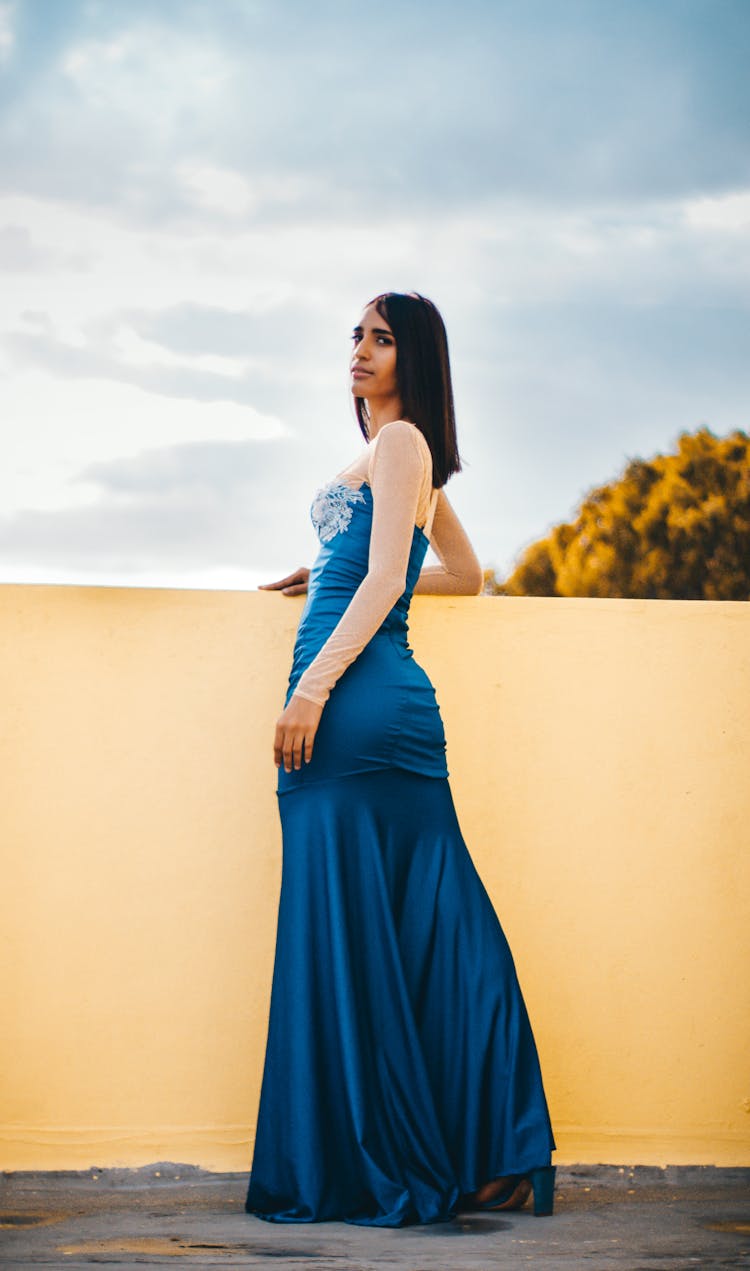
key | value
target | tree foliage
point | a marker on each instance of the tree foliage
(675, 527)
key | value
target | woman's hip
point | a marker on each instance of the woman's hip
(382, 713)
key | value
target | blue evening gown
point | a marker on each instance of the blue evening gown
(401, 1071)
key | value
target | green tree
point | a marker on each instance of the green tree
(675, 527)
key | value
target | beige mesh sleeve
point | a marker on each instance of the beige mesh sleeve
(400, 478)
(459, 572)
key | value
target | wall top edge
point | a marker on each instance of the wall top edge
(559, 603)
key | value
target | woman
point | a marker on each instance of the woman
(401, 1080)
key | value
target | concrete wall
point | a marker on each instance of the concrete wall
(599, 754)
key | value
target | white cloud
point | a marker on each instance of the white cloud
(132, 350)
(727, 213)
(53, 428)
(228, 193)
(148, 73)
(7, 34)
(217, 189)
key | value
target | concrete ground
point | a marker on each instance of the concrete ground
(642, 1219)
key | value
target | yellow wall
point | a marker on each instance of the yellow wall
(599, 754)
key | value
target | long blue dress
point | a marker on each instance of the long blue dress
(400, 1071)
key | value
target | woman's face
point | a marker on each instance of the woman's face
(373, 359)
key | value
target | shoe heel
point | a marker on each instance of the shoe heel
(543, 1183)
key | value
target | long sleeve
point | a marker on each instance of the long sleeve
(399, 472)
(459, 572)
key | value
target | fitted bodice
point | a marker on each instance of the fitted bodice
(342, 516)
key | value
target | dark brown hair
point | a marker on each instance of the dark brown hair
(423, 376)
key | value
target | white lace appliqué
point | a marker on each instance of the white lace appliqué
(331, 509)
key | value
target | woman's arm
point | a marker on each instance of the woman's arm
(459, 572)
(397, 476)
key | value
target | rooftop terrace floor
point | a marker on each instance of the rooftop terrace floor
(605, 1216)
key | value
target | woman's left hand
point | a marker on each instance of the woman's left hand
(296, 727)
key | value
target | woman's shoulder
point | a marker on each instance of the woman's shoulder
(404, 434)
(399, 428)
(403, 438)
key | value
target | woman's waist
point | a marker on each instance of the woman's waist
(384, 659)
(334, 582)
(322, 615)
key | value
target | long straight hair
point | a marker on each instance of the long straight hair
(423, 376)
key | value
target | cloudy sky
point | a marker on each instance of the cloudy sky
(198, 196)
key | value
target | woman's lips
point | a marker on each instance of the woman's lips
(358, 373)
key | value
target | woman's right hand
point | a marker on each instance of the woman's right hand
(293, 585)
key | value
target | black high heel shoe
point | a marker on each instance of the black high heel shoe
(541, 1181)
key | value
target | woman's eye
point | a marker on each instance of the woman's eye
(356, 336)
